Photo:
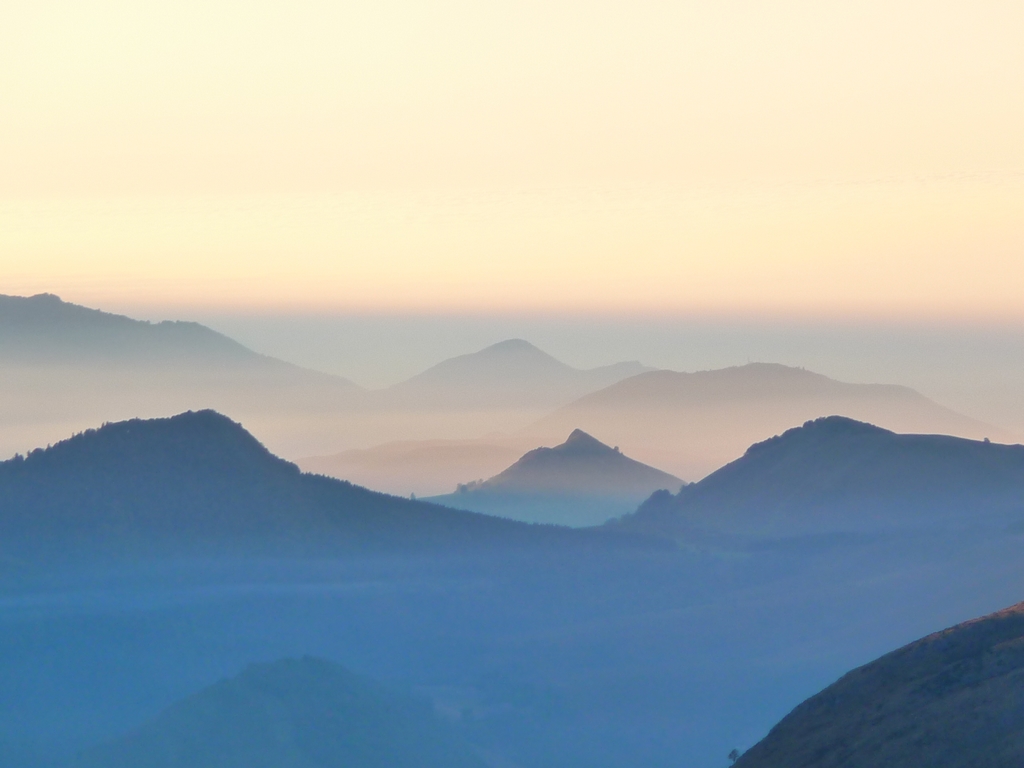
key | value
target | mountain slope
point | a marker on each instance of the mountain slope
(954, 699)
(836, 475)
(295, 713)
(509, 374)
(693, 423)
(199, 484)
(580, 482)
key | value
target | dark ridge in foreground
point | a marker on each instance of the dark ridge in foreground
(837, 475)
(952, 700)
(198, 484)
(295, 713)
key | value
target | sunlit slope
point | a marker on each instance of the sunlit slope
(692, 423)
(580, 482)
(836, 475)
(951, 700)
(295, 713)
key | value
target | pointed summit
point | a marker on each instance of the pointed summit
(579, 442)
(580, 482)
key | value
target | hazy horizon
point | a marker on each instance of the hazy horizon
(407, 157)
(376, 351)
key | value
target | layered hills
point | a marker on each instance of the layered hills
(693, 423)
(65, 367)
(539, 646)
(580, 482)
(458, 419)
(836, 475)
(954, 699)
(199, 484)
(294, 713)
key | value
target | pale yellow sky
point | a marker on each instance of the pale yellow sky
(790, 156)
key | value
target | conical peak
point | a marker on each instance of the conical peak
(580, 440)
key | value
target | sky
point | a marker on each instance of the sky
(791, 159)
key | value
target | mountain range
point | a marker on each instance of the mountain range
(145, 560)
(198, 484)
(293, 713)
(951, 700)
(580, 482)
(65, 368)
(691, 424)
(839, 476)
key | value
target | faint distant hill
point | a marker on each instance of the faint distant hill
(428, 429)
(952, 700)
(509, 374)
(198, 484)
(64, 367)
(580, 482)
(43, 329)
(295, 713)
(693, 423)
(836, 475)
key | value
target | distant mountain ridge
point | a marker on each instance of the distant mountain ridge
(837, 475)
(951, 700)
(293, 713)
(580, 482)
(511, 373)
(43, 329)
(693, 423)
(65, 368)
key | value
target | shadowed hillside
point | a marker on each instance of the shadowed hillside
(693, 423)
(302, 713)
(952, 700)
(580, 482)
(836, 475)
